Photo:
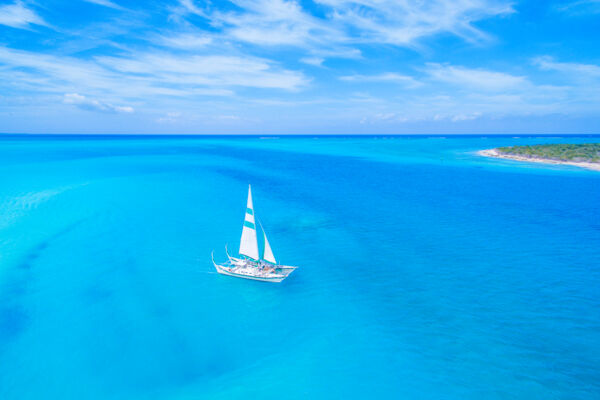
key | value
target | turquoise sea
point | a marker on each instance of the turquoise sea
(426, 271)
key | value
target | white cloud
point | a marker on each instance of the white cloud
(191, 7)
(474, 79)
(466, 117)
(402, 22)
(272, 23)
(574, 70)
(580, 7)
(142, 76)
(390, 77)
(385, 118)
(209, 70)
(18, 16)
(348, 22)
(106, 3)
(186, 7)
(338, 52)
(170, 117)
(191, 67)
(94, 105)
(188, 41)
(456, 93)
(316, 61)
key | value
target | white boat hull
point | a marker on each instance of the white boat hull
(284, 269)
(241, 262)
(251, 271)
(237, 273)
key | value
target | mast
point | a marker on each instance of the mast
(248, 242)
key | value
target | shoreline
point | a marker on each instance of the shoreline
(496, 154)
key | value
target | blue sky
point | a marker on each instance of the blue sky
(294, 67)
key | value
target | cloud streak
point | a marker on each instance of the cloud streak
(474, 79)
(387, 77)
(403, 22)
(94, 105)
(574, 70)
(580, 7)
(144, 75)
(457, 93)
(18, 16)
(106, 3)
(347, 22)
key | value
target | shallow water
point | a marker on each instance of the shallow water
(426, 271)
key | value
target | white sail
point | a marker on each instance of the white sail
(248, 243)
(268, 253)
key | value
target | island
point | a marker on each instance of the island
(581, 155)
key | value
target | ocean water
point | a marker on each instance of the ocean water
(426, 271)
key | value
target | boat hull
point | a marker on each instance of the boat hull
(286, 269)
(231, 272)
(239, 262)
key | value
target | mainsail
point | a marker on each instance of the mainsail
(268, 253)
(248, 243)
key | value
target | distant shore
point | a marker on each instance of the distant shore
(496, 154)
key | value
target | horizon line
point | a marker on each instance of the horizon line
(213, 135)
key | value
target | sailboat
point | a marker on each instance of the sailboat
(249, 265)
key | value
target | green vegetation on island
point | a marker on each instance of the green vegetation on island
(589, 152)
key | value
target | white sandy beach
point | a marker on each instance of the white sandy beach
(496, 154)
